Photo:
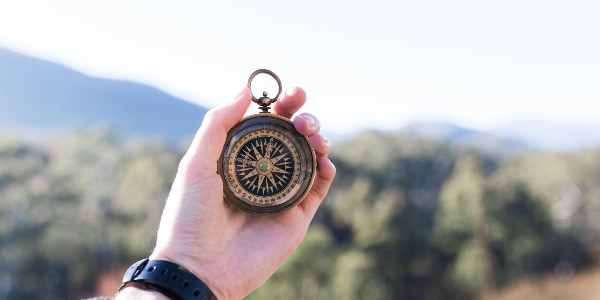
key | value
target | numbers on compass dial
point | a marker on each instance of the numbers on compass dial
(264, 167)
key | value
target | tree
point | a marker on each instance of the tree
(462, 227)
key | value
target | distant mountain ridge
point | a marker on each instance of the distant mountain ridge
(42, 96)
(451, 134)
(545, 136)
(510, 138)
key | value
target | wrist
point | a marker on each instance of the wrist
(193, 268)
(132, 292)
(170, 279)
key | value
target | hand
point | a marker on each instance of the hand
(231, 251)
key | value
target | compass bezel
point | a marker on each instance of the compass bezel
(290, 132)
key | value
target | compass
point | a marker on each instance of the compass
(266, 165)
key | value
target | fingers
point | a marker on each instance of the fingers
(325, 174)
(321, 145)
(208, 142)
(290, 102)
(307, 124)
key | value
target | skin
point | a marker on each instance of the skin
(231, 251)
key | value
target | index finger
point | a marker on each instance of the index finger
(290, 102)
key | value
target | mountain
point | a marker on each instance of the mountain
(451, 134)
(512, 137)
(39, 97)
(545, 136)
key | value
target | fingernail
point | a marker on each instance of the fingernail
(327, 142)
(309, 120)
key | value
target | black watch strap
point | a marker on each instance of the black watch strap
(168, 278)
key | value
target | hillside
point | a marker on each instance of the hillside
(38, 97)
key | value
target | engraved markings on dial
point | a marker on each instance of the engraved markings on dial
(265, 164)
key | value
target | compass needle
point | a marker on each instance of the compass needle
(260, 179)
(272, 179)
(276, 159)
(256, 153)
(278, 170)
(269, 148)
(253, 173)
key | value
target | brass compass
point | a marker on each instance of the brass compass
(267, 166)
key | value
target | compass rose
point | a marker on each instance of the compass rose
(264, 166)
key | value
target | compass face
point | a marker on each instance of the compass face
(266, 165)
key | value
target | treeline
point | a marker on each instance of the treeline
(73, 208)
(410, 219)
(405, 218)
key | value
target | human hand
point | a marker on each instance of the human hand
(231, 251)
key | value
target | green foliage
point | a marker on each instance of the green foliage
(404, 219)
(86, 204)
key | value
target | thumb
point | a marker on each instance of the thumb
(208, 142)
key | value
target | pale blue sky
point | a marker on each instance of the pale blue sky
(364, 64)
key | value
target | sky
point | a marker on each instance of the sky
(364, 64)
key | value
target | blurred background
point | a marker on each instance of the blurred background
(465, 136)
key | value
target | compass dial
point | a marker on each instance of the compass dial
(266, 166)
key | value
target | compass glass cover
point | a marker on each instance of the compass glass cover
(267, 166)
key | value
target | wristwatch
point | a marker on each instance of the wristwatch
(168, 278)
